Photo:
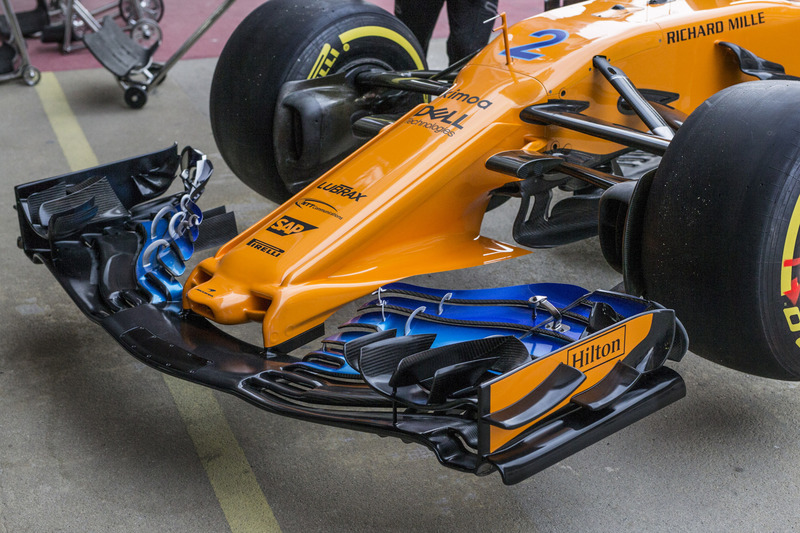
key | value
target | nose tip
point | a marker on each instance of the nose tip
(225, 303)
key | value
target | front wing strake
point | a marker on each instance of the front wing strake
(512, 379)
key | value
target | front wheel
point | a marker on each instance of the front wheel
(287, 40)
(720, 235)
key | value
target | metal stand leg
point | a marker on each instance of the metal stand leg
(70, 8)
(29, 74)
(66, 45)
(193, 38)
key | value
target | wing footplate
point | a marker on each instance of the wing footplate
(556, 440)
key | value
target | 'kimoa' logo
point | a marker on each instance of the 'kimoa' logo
(341, 190)
(267, 248)
(289, 226)
(468, 98)
(591, 354)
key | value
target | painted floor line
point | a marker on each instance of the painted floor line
(70, 136)
(237, 490)
(242, 501)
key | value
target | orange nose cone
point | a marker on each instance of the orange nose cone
(225, 303)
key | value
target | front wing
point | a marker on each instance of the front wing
(512, 379)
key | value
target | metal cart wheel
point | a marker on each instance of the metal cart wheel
(146, 33)
(135, 97)
(31, 75)
(149, 9)
(79, 27)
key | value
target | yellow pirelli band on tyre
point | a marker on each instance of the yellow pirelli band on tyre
(320, 62)
(789, 247)
(378, 31)
(792, 314)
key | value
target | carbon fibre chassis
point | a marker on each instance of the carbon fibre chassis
(89, 257)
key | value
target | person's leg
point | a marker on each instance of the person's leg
(468, 32)
(420, 17)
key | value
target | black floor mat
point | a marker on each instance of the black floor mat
(7, 55)
(30, 22)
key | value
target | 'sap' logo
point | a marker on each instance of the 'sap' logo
(289, 226)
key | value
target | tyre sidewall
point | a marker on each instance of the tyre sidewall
(281, 41)
(780, 270)
(716, 225)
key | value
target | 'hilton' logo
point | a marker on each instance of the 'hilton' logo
(609, 346)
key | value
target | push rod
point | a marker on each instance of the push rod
(625, 87)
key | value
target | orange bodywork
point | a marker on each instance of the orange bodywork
(411, 201)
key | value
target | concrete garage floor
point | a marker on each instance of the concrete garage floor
(93, 440)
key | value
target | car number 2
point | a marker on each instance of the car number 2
(525, 51)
